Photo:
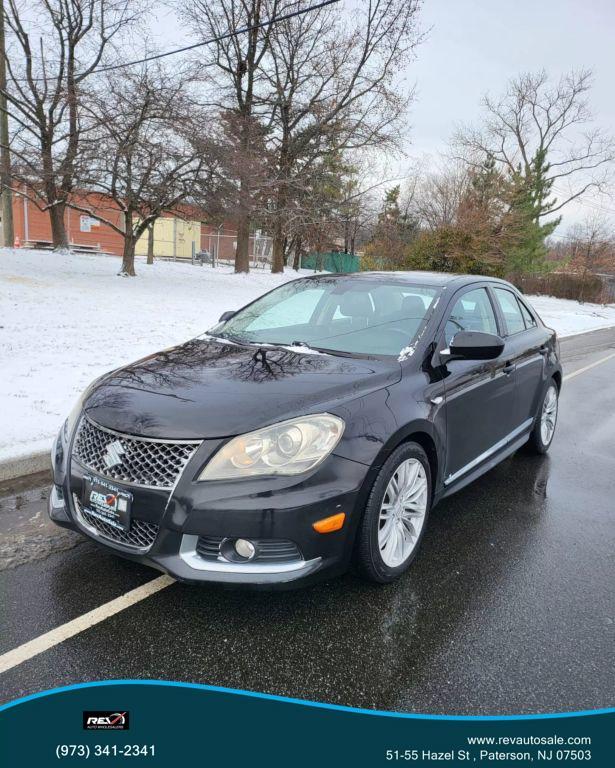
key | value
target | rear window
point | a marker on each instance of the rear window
(511, 310)
(530, 320)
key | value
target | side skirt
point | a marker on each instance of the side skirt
(488, 464)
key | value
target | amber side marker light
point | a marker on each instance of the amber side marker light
(330, 524)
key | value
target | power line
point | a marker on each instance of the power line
(587, 203)
(241, 31)
(559, 237)
(217, 39)
(595, 206)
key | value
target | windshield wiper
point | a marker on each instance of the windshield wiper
(232, 337)
(257, 342)
(324, 350)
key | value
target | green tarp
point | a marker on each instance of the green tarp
(331, 262)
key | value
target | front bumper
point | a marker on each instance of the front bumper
(270, 509)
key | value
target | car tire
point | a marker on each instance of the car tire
(383, 553)
(541, 435)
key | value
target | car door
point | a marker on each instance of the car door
(479, 394)
(526, 347)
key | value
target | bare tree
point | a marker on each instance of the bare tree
(591, 248)
(54, 48)
(144, 160)
(358, 212)
(150, 242)
(233, 67)
(537, 122)
(334, 89)
(313, 216)
(436, 196)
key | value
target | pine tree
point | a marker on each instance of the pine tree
(529, 200)
(394, 231)
(389, 216)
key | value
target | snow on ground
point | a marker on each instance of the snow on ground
(569, 318)
(66, 319)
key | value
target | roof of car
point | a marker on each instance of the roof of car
(439, 279)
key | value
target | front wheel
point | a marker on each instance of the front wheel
(395, 515)
(544, 428)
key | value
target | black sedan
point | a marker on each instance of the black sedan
(312, 429)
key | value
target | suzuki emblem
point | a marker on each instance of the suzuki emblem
(113, 455)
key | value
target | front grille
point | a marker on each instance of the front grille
(141, 461)
(141, 534)
(267, 550)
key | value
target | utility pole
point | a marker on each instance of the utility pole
(5, 157)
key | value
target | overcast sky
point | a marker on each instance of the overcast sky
(475, 46)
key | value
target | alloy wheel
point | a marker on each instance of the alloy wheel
(402, 512)
(548, 416)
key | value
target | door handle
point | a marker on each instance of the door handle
(544, 351)
(508, 369)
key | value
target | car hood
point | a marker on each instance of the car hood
(209, 388)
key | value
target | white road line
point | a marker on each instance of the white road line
(589, 367)
(44, 642)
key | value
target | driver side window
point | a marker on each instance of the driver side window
(471, 312)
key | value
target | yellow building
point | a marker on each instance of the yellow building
(173, 239)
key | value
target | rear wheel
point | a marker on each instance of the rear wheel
(395, 515)
(541, 436)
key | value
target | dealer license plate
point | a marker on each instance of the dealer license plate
(107, 502)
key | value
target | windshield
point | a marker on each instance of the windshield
(373, 317)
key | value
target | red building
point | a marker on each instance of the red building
(33, 228)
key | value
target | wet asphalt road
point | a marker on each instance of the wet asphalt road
(509, 607)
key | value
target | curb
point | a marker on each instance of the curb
(28, 464)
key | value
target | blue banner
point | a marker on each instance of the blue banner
(172, 724)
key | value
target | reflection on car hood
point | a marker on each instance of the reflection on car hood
(210, 388)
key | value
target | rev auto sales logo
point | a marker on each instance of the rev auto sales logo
(105, 721)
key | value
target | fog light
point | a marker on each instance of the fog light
(245, 549)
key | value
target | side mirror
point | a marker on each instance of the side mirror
(226, 316)
(475, 345)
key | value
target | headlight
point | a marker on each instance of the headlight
(71, 421)
(73, 417)
(287, 448)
